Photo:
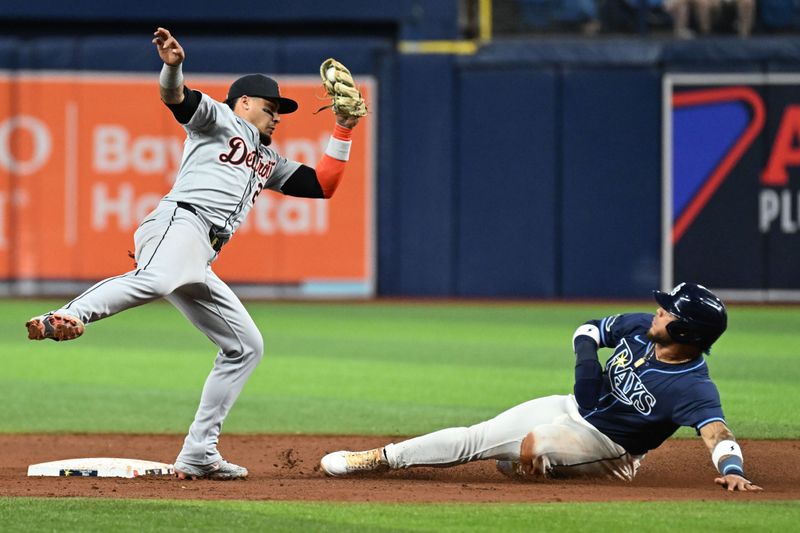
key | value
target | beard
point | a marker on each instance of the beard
(658, 337)
(265, 138)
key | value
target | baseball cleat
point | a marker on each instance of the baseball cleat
(221, 470)
(56, 326)
(538, 469)
(343, 463)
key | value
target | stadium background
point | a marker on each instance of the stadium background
(504, 166)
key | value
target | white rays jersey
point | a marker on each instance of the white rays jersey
(225, 166)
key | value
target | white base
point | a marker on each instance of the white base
(101, 467)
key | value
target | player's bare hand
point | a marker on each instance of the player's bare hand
(346, 121)
(734, 482)
(169, 50)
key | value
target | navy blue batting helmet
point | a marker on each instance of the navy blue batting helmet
(702, 317)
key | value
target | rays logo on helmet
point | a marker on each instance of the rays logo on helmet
(678, 288)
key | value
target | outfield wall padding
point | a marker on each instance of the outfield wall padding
(530, 169)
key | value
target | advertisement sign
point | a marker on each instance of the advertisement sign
(84, 157)
(731, 184)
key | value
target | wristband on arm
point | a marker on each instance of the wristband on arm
(339, 144)
(733, 462)
(330, 168)
(171, 77)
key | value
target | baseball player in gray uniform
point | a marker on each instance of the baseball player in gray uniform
(655, 381)
(226, 163)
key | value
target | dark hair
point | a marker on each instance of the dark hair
(232, 103)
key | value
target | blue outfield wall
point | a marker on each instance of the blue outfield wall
(424, 140)
(507, 193)
(531, 169)
(555, 190)
(611, 179)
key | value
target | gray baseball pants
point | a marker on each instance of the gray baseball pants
(174, 258)
(565, 444)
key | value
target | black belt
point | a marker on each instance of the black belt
(216, 236)
(188, 207)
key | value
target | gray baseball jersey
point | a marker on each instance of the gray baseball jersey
(225, 166)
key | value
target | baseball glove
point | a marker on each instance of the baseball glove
(341, 88)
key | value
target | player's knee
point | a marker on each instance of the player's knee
(246, 348)
(254, 344)
(548, 437)
(545, 440)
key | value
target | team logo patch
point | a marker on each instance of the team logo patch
(626, 386)
(239, 154)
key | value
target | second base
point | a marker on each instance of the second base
(101, 467)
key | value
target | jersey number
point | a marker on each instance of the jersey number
(259, 188)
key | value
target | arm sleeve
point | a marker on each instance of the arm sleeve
(303, 183)
(322, 181)
(329, 174)
(591, 336)
(205, 114)
(184, 111)
(588, 372)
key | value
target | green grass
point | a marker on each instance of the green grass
(25, 514)
(374, 368)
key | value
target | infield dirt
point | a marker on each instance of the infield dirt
(285, 467)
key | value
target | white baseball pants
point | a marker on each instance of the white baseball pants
(174, 258)
(565, 444)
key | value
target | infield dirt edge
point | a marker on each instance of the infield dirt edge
(285, 467)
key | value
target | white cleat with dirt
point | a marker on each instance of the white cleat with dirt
(344, 463)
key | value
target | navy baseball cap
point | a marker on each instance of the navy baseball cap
(263, 87)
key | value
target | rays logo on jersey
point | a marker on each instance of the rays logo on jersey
(625, 383)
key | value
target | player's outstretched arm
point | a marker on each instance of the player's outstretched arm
(322, 181)
(348, 106)
(171, 53)
(727, 457)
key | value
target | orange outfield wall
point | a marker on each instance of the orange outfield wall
(84, 158)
